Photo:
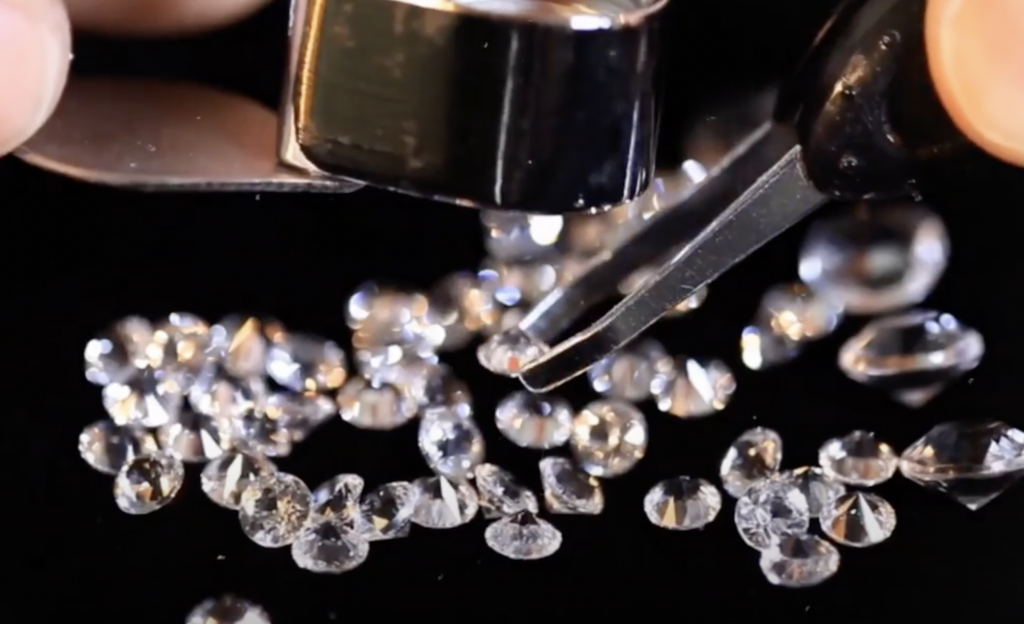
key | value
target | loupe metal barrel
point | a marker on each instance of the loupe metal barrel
(529, 105)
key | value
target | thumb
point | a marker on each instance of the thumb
(35, 47)
(976, 56)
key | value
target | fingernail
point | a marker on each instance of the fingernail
(976, 56)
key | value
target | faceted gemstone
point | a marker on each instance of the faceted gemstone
(150, 399)
(627, 374)
(457, 304)
(225, 478)
(227, 610)
(518, 283)
(973, 462)
(752, 457)
(300, 414)
(608, 438)
(259, 433)
(387, 511)
(800, 561)
(147, 483)
(428, 385)
(195, 437)
(180, 343)
(913, 355)
(568, 490)
(516, 236)
(374, 404)
(682, 504)
(386, 316)
(371, 361)
(509, 352)
(693, 388)
(118, 353)
(639, 277)
(819, 488)
(338, 498)
(444, 504)
(452, 445)
(274, 509)
(858, 519)
(215, 392)
(500, 493)
(329, 546)
(789, 316)
(305, 363)
(769, 510)
(760, 348)
(858, 458)
(534, 421)
(240, 344)
(523, 536)
(107, 447)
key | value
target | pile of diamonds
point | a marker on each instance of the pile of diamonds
(236, 394)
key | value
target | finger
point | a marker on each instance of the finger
(976, 56)
(35, 48)
(157, 17)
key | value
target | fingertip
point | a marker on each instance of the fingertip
(157, 17)
(35, 47)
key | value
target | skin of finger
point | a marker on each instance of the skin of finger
(35, 51)
(976, 57)
(157, 17)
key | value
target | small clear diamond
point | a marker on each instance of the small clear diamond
(240, 343)
(377, 405)
(518, 283)
(517, 236)
(444, 504)
(339, 498)
(913, 355)
(227, 610)
(682, 504)
(371, 361)
(858, 458)
(769, 510)
(428, 385)
(179, 343)
(225, 478)
(451, 444)
(195, 437)
(500, 493)
(534, 421)
(148, 483)
(107, 447)
(800, 561)
(151, 398)
(509, 352)
(760, 348)
(627, 374)
(387, 511)
(753, 457)
(117, 354)
(973, 462)
(215, 392)
(523, 536)
(274, 509)
(608, 438)
(305, 363)
(858, 519)
(819, 488)
(300, 414)
(789, 316)
(693, 388)
(568, 490)
(329, 546)
(261, 434)
(386, 316)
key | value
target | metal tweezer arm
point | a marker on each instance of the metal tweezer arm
(763, 189)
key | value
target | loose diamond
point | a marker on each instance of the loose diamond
(261, 434)
(682, 504)
(215, 392)
(428, 385)
(912, 356)
(608, 438)
(329, 546)
(116, 355)
(753, 457)
(274, 509)
(148, 483)
(300, 414)
(227, 610)
(568, 490)
(771, 509)
(386, 316)
(195, 437)
(372, 404)
(107, 447)
(451, 444)
(150, 399)
(523, 536)
(305, 363)
(800, 561)
(339, 498)
(509, 352)
(694, 388)
(240, 343)
(789, 316)
(518, 283)
(444, 504)
(225, 478)
(517, 236)
(534, 421)
(760, 348)
(820, 489)
(179, 343)
(387, 511)
(858, 458)
(500, 493)
(973, 462)
(858, 519)
(627, 374)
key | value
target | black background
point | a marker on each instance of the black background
(77, 257)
